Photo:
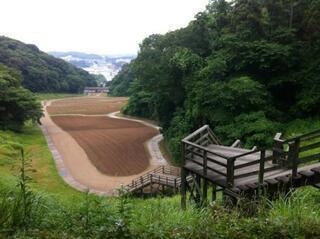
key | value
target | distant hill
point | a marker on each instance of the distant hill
(42, 72)
(108, 66)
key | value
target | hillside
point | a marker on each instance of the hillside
(247, 68)
(40, 71)
(105, 65)
(120, 84)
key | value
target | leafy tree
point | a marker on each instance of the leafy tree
(121, 83)
(16, 103)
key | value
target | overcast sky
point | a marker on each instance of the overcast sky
(93, 26)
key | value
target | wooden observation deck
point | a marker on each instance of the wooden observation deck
(237, 171)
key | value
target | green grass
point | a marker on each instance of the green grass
(44, 173)
(51, 96)
(301, 126)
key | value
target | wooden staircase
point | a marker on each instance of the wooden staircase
(160, 178)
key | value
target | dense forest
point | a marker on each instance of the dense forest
(244, 67)
(40, 71)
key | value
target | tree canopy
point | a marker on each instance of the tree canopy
(120, 84)
(16, 103)
(40, 71)
(245, 67)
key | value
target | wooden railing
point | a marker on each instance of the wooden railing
(297, 150)
(203, 137)
(195, 144)
(160, 175)
(285, 154)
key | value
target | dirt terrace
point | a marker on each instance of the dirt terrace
(87, 105)
(114, 146)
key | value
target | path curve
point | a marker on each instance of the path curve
(152, 144)
(75, 167)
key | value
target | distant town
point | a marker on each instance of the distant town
(105, 65)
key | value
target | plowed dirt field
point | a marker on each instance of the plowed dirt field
(114, 146)
(87, 105)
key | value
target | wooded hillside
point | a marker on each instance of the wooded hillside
(245, 67)
(40, 71)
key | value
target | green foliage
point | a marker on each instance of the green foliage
(244, 67)
(120, 84)
(253, 128)
(19, 208)
(40, 71)
(17, 104)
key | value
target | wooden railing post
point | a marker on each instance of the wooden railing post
(214, 192)
(230, 172)
(261, 169)
(205, 163)
(277, 146)
(205, 182)
(293, 156)
(183, 188)
(183, 151)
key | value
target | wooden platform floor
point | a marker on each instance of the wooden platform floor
(196, 166)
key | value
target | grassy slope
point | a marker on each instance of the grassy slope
(158, 217)
(50, 96)
(44, 174)
(45, 177)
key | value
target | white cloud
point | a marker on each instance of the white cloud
(94, 26)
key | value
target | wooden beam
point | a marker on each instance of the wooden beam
(183, 188)
(230, 172)
(214, 192)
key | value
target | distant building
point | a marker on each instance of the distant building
(88, 90)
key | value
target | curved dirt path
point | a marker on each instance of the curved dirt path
(152, 144)
(76, 168)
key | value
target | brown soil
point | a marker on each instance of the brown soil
(87, 105)
(114, 146)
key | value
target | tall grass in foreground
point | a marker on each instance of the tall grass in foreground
(26, 214)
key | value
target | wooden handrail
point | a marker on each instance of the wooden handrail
(245, 154)
(210, 158)
(310, 146)
(206, 149)
(214, 136)
(302, 136)
(195, 133)
(236, 144)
